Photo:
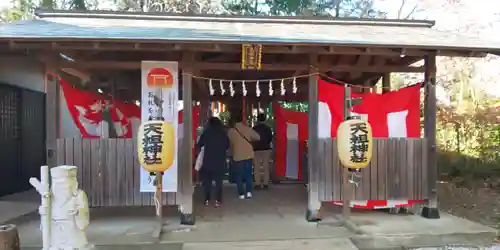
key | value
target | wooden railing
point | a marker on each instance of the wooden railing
(108, 171)
(398, 171)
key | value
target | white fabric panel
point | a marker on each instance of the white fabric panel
(396, 123)
(135, 126)
(324, 121)
(68, 126)
(292, 151)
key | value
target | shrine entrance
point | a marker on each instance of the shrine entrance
(256, 62)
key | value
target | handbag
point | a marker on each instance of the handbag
(199, 159)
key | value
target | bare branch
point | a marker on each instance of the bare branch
(400, 11)
(413, 11)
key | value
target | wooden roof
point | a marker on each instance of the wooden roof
(358, 51)
(168, 28)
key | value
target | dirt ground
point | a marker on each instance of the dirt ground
(474, 202)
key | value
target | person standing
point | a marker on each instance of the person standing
(215, 142)
(241, 137)
(263, 152)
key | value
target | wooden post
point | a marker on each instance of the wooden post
(158, 183)
(314, 204)
(386, 83)
(51, 117)
(9, 237)
(185, 171)
(431, 209)
(159, 197)
(346, 187)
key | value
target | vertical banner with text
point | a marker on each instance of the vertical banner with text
(159, 98)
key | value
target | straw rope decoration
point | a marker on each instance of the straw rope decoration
(294, 85)
(282, 87)
(257, 89)
(211, 87)
(271, 91)
(231, 88)
(222, 90)
(244, 87)
(283, 84)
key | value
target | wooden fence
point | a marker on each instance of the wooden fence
(398, 171)
(108, 171)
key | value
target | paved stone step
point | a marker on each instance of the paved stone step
(162, 246)
(309, 244)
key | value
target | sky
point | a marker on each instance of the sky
(4, 3)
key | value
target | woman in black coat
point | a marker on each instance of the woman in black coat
(216, 143)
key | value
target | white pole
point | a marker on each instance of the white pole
(43, 188)
(45, 218)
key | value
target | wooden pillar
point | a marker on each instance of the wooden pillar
(185, 170)
(431, 210)
(386, 83)
(52, 117)
(314, 204)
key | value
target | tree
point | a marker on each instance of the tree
(173, 6)
(47, 4)
(20, 10)
(327, 8)
(78, 5)
(23, 9)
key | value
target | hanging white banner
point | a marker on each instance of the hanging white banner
(159, 97)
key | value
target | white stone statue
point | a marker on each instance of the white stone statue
(66, 214)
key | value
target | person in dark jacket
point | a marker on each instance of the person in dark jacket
(263, 152)
(215, 142)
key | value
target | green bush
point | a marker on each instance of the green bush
(453, 165)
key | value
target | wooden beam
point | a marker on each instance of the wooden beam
(362, 61)
(81, 74)
(231, 48)
(51, 116)
(237, 67)
(431, 209)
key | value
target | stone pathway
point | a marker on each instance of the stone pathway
(16, 205)
(272, 220)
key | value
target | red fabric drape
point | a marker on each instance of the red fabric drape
(376, 106)
(283, 116)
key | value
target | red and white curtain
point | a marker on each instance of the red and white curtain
(290, 142)
(87, 112)
(392, 115)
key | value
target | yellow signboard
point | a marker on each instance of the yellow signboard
(251, 56)
(354, 143)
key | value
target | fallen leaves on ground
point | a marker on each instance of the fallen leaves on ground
(474, 202)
